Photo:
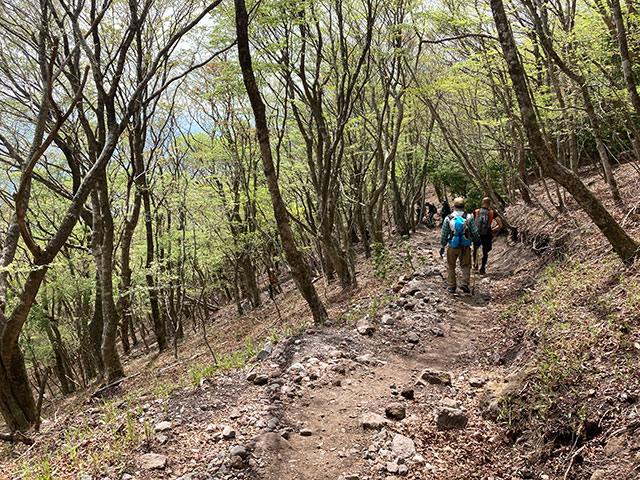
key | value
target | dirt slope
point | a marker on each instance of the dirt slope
(347, 375)
(298, 413)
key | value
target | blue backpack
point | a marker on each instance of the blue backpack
(460, 233)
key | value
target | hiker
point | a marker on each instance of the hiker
(484, 218)
(432, 211)
(418, 213)
(458, 231)
(446, 210)
(274, 286)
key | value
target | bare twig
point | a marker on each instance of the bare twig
(573, 457)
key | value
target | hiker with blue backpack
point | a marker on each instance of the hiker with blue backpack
(484, 218)
(458, 232)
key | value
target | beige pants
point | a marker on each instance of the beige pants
(464, 253)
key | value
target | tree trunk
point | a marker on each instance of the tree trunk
(110, 356)
(402, 225)
(622, 243)
(124, 301)
(17, 405)
(299, 268)
(625, 58)
(159, 327)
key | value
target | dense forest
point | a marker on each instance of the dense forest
(160, 157)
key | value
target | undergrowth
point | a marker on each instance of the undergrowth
(580, 320)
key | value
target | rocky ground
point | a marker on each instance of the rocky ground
(403, 392)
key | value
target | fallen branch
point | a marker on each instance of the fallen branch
(101, 390)
(573, 457)
(16, 437)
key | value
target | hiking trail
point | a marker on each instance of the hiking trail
(359, 401)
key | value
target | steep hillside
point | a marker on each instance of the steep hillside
(534, 376)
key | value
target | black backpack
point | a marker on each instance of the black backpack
(483, 221)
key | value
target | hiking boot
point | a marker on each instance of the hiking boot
(465, 289)
(451, 289)
(481, 271)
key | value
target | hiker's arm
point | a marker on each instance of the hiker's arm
(475, 236)
(444, 236)
(499, 225)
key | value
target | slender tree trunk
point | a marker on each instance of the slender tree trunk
(622, 243)
(157, 319)
(402, 225)
(625, 58)
(110, 356)
(124, 301)
(299, 268)
(96, 326)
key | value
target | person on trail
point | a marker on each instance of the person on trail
(432, 211)
(274, 286)
(446, 210)
(458, 231)
(484, 218)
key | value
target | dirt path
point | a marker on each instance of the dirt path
(340, 376)
(314, 406)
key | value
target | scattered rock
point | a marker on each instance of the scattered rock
(297, 369)
(437, 331)
(265, 352)
(261, 379)
(188, 476)
(413, 287)
(402, 446)
(373, 421)
(615, 445)
(403, 469)
(395, 410)
(413, 338)
(407, 393)
(419, 459)
(392, 467)
(228, 433)
(269, 442)
(151, 461)
(449, 418)
(477, 382)
(435, 377)
(305, 432)
(364, 327)
(163, 426)
(250, 378)
(239, 451)
(236, 462)
(494, 393)
(387, 320)
(366, 359)
(449, 402)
